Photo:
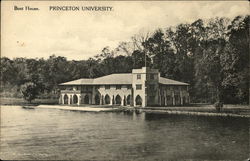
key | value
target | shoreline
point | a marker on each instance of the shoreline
(192, 109)
(197, 113)
(156, 110)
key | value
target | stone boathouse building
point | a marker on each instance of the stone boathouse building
(143, 87)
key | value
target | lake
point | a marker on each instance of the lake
(58, 134)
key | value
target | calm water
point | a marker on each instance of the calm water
(57, 134)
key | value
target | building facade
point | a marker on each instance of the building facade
(143, 87)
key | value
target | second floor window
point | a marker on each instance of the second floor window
(118, 87)
(107, 87)
(138, 76)
(138, 86)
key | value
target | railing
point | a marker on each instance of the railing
(71, 91)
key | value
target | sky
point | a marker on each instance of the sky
(79, 35)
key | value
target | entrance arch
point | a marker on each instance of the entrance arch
(107, 99)
(162, 100)
(184, 100)
(86, 99)
(66, 99)
(177, 100)
(75, 99)
(97, 99)
(169, 100)
(128, 99)
(138, 100)
(118, 100)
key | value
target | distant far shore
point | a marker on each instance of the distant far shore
(192, 109)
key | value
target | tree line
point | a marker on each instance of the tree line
(211, 55)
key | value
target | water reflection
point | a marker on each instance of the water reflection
(58, 134)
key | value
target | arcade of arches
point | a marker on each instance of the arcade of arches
(106, 98)
(98, 99)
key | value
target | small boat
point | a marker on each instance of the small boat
(28, 107)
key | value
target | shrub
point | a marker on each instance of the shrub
(29, 91)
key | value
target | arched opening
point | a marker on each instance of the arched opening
(177, 100)
(86, 99)
(124, 101)
(128, 99)
(169, 100)
(97, 99)
(107, 99)
(118, 100)
(184, 100)
(66, 99)
(162, 100)
(138, 100)
(75, 99)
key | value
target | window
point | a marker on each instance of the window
(118, 87)
(152, 76)
(138, 76)
(138, 86)
(129, 87)
(107, 87)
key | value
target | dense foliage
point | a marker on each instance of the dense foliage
(212, 56)
(29, 91)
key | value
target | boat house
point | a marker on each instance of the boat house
(143, 87)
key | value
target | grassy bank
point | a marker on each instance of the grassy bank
(204, 108)
(21, 102)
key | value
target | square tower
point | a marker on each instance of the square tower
(145, 86)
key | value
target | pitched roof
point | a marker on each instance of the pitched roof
(119, 79)
(79, 82)
(170, 82)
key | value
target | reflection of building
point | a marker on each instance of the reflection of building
(143, 87)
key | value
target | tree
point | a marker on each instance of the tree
(161, 53)
(209, 67)
(29, 91)
(236, 61)
(138, 58)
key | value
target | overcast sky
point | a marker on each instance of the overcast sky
(80, 34)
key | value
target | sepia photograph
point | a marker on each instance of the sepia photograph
(125, 80)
